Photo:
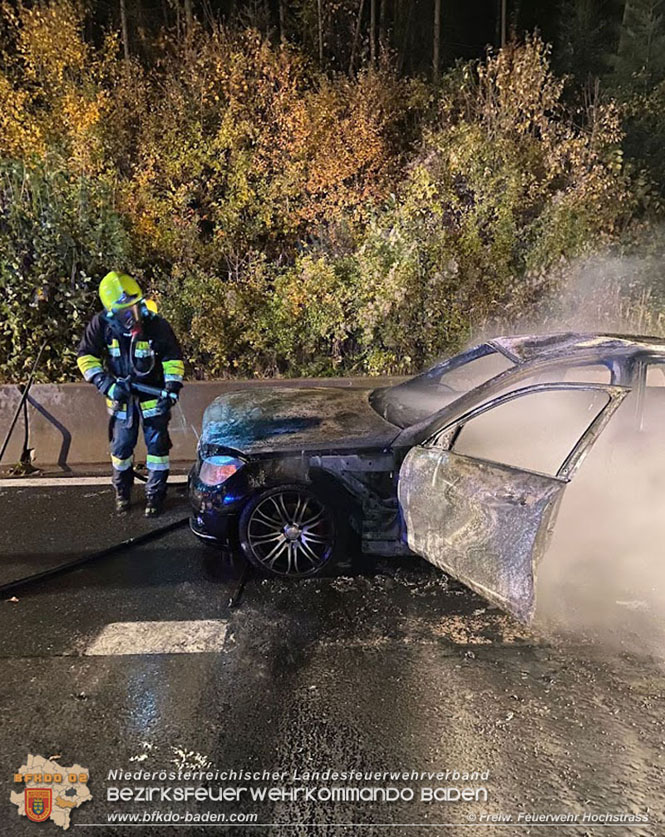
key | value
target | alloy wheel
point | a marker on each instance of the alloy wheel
(291, 533)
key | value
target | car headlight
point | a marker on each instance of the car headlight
(217, 469)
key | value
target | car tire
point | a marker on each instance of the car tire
(290, 531)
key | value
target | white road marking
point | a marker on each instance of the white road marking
(188, 637)
(50, 482)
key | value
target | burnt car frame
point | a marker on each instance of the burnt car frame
(289, 473)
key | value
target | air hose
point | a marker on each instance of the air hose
(61, 569)
(136, 333)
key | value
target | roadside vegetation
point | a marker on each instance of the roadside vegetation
(295, 220)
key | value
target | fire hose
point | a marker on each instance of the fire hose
(234, 601)
(155, 391)
(108, 551)
(139, 540)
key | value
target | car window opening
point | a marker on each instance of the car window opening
(656, 375)
(430, 392)
(647, 405)
(534, 432)
(468, 370)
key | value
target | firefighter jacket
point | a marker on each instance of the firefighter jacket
(152, 357)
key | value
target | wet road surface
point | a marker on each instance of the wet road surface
(382, 667)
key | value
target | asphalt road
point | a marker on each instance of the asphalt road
(380, 667)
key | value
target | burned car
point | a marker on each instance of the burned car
(464, 465)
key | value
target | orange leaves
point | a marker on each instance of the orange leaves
(20, 134)
(295, 221)
(50, 42)
(54, 86)
(230, 137)
(258, 144)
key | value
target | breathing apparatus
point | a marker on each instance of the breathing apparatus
(123, 300)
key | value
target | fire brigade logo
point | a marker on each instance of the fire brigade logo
(38, 803)
(48, 791)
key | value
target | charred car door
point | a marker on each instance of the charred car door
(479, 499)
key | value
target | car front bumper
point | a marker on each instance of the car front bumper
(215, 526)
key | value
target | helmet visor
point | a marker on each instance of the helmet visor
(129, 317)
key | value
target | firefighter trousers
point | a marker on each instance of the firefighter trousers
(124, 433)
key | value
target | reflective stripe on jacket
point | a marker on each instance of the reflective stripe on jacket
(156, 356)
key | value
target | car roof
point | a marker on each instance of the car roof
(532, 347)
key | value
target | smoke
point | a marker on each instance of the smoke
(618, 289)
(603, 578)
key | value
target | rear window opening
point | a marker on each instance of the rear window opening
(655, 375)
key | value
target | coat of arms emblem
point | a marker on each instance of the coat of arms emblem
(38, 802)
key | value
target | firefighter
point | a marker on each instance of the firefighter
(124, 344)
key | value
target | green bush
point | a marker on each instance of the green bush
(503, 187)
(58, 234)
(288, 221)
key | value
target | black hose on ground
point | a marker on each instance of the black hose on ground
(236, 598)
(139, 540)
(139, 476)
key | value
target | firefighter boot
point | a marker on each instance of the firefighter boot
(155, 488)
(155, 493)
(154, 504)
(123, 479)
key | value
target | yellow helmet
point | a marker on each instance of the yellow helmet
(118, 291)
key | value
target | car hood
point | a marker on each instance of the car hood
(283, 418)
